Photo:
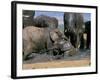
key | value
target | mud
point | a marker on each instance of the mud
(38, 58)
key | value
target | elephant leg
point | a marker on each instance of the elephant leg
(88, 40)
(82, 42)
(49, 45)
(76, 41)
(85, 40)
(27, 51)
(73, 40)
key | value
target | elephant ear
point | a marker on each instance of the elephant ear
(54, 35)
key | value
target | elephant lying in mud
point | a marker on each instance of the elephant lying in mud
(36, 39)
(46, 21)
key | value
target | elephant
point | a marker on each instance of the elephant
(37, 39)
(86, 38)
(28, 16)
(88, 32)
(46, 21)
(74, 28)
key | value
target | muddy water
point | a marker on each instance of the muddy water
(37, 58)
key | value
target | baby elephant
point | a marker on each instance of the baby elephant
(36, 39)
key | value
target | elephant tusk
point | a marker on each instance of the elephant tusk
(78, 45)
(66, 30)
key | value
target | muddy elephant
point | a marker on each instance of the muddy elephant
(36, 39)
(28, 16)
(46, 21)
(74, 27)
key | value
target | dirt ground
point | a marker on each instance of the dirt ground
(47, 61)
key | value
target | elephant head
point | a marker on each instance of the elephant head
(61, 43)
